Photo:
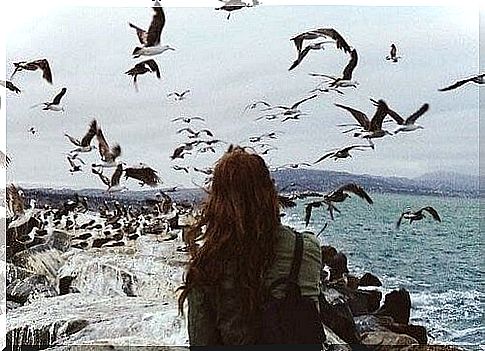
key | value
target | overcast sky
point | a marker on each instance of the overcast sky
(229, 63)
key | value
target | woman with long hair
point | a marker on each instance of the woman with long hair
(245, 248)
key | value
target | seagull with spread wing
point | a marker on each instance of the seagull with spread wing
(477, 79)
(408, 124)
(108, 155)
(147, 66)
(55, 104)
(418, 215)
(346, 80)
(41, 64)
(84, 145)
(10, 86)
(195, 134)
(179, 96)
(290, 110)
(151, 39)
(144, 174)
(113, 184)
(341, 153)
(372, 128)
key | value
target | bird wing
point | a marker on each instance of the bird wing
(71, 162)
(302, 101)
(348, 148)
(114, 152)
(286, 202)
(43, 64)
(324, 157)
(347, 74)
(141, 33)
(358, 115)
(93, 127)
(73, 140)
(456, 85)
(153, 67)
(411, 119)
(207, 131)
(115, 178)
(301, 56)
(357, 190)
(298, 41)
(378, 118)
(398, 224)
(308, 210)
(57, 99)
(186, 129)
(10, 86)
(156, 27)
(198, 118)
(394, 115)
(177, 119)
(432, 212)
(185, 92)
(102, 144)
(339, 40)
(144, 174)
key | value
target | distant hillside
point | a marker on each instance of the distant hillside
(438, 183)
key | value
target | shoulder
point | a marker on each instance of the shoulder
(309, 238)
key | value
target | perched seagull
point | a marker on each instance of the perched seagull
(187, 119)
(346, 80)
(393, 54)
(253, 105)
(293, 109)
(151, 39)
(113, 184)
(143, 173)
(55, 104)
(10, 86)
(195, 134)
(179, 96)
(418, 215)
(41, 64)
(108, 155)
(342, 153)
(180, 168)
(478, 79)
(370, 128)
(85, 144)
(142, 68)
(74, 167)
(408, 124)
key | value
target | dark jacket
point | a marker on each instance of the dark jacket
(212, 313)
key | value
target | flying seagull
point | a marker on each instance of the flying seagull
(179, 96)
(393, 54)
(151, 39)
(180, 168)
(41, 64)
(74, 167)
(408, 124)
(253, 105)
(346, 80)
(195, 134)
(418, 215)
(142, 173)
(370, 128)
(10, 86)
(206, 171)
(32, 130)
(84, 145)
(290, 110)
(55, 104)
(187, 119)
(338, 195)
(113, 184)
(478, 79)
(234, 5)
(321, 33)
(142, 68)
(108, 155)
(342, 153)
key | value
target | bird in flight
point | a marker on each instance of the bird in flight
(345, 81)
(477, 79)
(84, 145)
(151, 39)
(113, 184)
(10, 86)
(147, 66)
(55, 104)
(393, 54)
(144, 174)
(41, 64)
(108, 154)
(341, 153)
(418, 215)
(187, 119)
(408, 124)
(179, 96)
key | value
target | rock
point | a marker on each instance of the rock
(380, 340)
(369, 279)
(418, 332)
(364, 302)
(41, 259)
(30, 288)
(65, 285)
(12, 305)
(13, 273)
(397, 304)
(328, 252)
(59, 240)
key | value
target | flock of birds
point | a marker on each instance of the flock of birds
(202, 140)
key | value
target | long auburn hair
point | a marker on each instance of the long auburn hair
(241, 219)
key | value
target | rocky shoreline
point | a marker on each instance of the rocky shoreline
(122, 292)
